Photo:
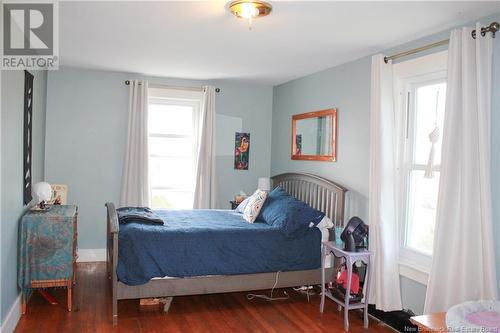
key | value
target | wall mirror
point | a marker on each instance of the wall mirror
(314, 136)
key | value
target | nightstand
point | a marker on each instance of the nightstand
(233, 204)
(47, 251)
(350, 258)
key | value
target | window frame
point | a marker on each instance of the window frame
(408, 77)
(161, 96)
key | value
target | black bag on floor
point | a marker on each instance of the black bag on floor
(399, 320)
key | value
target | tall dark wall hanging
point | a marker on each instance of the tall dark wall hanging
(28, 137)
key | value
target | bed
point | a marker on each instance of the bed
(155, 263)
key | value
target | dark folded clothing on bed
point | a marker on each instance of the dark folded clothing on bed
(138, 215)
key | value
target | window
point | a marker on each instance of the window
(426, 112)
(172, 125)
(422, 90)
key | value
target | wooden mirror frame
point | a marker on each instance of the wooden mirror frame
(323, 113)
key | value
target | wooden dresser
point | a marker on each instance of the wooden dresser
(47, 251)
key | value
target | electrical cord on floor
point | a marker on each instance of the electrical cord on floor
(270, 297)
(307, 290)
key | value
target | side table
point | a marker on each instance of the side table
(47, 251)
(350, 258)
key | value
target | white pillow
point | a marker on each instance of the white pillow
(325, 223)
(242, 205)
(254, 205)
(323, 226)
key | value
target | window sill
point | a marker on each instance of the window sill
(410, 271)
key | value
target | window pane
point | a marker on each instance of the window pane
(422, 202)
(165, 199)
(181, 147)
(170, 119)
(430, 101)
(173, 172)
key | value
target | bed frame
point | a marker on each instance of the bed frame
(318, 192)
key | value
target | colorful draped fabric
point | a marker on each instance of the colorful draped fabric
(46, 245)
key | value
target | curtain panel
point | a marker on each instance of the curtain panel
(384, 235)
(205, 194)
(463, 266)
(135, 178)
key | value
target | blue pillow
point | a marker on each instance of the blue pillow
(272, 196)
(288, 213)
(278, 192)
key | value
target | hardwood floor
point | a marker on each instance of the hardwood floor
(230, 312)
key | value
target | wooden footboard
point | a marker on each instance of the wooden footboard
(112, 255)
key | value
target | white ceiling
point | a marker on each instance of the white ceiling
(202, 40)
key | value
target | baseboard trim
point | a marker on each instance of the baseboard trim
(12, 318)
(91, 255)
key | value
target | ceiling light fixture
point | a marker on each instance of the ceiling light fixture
(250, 9)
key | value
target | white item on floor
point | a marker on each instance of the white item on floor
(474, 316)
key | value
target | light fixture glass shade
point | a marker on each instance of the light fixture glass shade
(264, 184)
(42, 191)
(250, 8)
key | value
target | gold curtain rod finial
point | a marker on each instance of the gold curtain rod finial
(493, 28)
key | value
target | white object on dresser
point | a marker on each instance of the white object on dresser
(42, 192)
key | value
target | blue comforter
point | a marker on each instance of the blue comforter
(211, 242)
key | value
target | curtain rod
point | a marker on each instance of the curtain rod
(127, 83)
(493, 27)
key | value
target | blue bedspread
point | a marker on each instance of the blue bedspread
(211, 242)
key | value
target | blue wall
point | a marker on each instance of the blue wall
(347, 87)
(86, 138)
(12, 120)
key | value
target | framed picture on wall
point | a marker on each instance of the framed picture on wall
(241, 151)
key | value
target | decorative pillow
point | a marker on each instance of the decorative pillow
(254, 205)
(242, 205)
(274, 195)
(325, 223)
(289, 214)
(278, 192)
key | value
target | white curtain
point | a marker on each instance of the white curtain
(383, 236)
(135, 178)
(463, 266)
(205, 191)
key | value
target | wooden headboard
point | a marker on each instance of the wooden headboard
(318, 192)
